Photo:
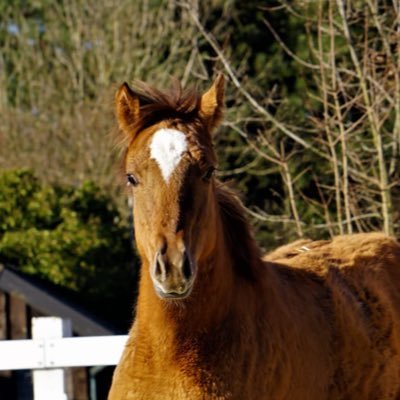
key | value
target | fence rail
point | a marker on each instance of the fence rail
(51, 349)
(61, 353)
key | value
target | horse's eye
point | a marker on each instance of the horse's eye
(131, 180)
(208, 174)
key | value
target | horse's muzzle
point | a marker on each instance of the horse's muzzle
(172, 275)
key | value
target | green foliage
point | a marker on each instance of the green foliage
(73, 237)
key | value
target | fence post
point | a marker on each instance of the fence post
(50, 384)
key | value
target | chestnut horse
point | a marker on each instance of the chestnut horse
(310, 321)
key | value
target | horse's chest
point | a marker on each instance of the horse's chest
(164, 385)
(154, 378)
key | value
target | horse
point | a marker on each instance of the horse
(313, 320)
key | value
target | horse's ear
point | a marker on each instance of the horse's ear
(127, 107)
(212, 103)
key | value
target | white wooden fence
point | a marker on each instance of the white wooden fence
(51, 349)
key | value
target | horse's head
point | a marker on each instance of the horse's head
(169, 166)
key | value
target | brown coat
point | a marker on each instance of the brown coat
(319, 324)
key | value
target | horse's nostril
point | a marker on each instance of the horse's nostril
(186, 267)
(160, 270)
(163, 249)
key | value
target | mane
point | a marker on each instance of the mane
(238, 232)
(157, 105)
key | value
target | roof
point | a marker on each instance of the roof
(45, 299)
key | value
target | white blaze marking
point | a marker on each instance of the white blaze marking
(166, 148)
